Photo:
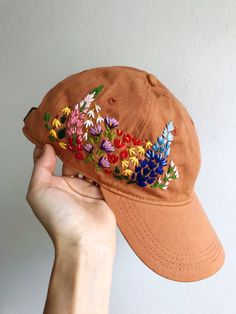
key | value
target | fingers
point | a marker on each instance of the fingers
(44, 166)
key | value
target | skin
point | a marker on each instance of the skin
(83, 230)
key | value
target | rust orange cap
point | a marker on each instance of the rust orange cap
(122, 128)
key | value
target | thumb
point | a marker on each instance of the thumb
(44, 166)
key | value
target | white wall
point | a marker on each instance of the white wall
(191, 47)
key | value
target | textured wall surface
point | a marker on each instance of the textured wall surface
(191, 47)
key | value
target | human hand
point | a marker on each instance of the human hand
(72, 210)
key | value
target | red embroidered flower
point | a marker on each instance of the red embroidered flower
(118, 143)
(79, 155)
(108, 171)
(127, 138)
(119, 132)
(124, 154)
(79, 147)
(112, 158)
(71, 147)
(137, 141)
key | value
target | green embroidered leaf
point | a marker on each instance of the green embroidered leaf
(74, 139)
(97, 90)
(117, 170)
(155, 185)
(52, 138)
(130, 182)
(61, 133)
(47, 126)
(63, 119)
(100, 152)
(96, 139)
(117, 177)
(90, 139)
(174, 176)
(47, 117)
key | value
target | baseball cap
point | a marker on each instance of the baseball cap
(122, 128)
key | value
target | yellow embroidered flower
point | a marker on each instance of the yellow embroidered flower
(53, 133)
(134, 160)
(141, 150)
(148, 144)
(66, 111)
(131, 151)
(56, 123)
(124, 163)
(127, 172)
(63, 145)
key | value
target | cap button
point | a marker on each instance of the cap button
(152, 79)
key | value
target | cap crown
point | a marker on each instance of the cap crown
(123, 128)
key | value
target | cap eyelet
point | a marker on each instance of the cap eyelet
(112, 100)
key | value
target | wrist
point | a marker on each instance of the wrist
(93, 253)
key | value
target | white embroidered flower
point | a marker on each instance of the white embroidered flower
(88, 123)
(90, 113)
(85, 136)
(77, 107)
(97, 107)
(99, 119)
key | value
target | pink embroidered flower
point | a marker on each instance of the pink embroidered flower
(74, 123)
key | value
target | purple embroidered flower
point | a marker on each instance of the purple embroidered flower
(103, 162)
(97, 130)
(111, 122)
(106, 146)
(88, 147)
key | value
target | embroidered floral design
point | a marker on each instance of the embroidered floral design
(97, 139)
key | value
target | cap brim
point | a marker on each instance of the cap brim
(176, 242)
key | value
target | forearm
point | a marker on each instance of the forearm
(80, 282)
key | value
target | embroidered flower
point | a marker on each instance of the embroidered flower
(136, 141)
(103, 162)
(106, 146)
(63, 145)
(127, 172)
(124, 154)
(111, 122)
(90, 113)
(88, 147)
(132, 151)
(127, 138)
(99, 119)
(148, 144)
(90, 137)
(119, 132)
(134, 160)
(97, 130)
(141, 150)
(118, 143)
(56, 123)
(97, 107)
(53, 133)
(66, 111)
(88, 123)
(112, 158)
(124, 163)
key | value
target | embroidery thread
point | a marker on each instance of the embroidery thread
(97, 139)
